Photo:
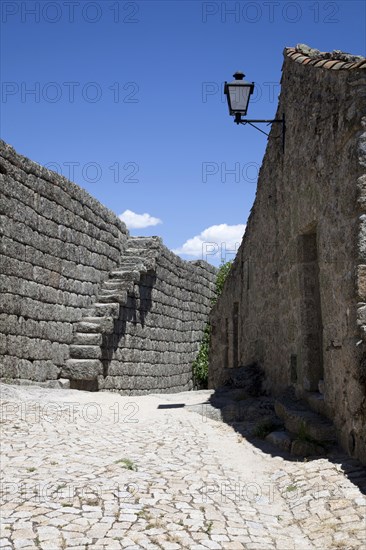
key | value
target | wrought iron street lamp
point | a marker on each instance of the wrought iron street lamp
(238, 93)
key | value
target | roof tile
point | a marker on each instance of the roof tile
(349, 65)
(335, 60)
(330, 64)
(338, 66)
(300, 59)
(296, 55)
(361, 64)
(320, 62)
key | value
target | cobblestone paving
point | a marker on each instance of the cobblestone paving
(100, 471)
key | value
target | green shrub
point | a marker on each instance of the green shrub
(200, 365)
(222, 274)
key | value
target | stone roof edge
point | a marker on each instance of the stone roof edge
(335, 60)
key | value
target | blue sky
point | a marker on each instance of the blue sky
(127, 101)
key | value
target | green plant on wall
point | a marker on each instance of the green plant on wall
(222, 274)
(200, 365)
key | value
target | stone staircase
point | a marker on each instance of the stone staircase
(307, 431)
(87, 350)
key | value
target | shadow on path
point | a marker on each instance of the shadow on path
(254, 418)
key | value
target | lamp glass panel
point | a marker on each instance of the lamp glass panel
(239, 97)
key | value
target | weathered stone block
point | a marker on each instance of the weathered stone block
(105, 310)
(82, 369)
(95, 324)
(299, 420)
(87, 339)
(361, 282)
(282, 440)
(85, 351)
(59, 353)
(37, 370)
(306, 448)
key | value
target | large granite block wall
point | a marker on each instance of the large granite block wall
(57, 245)
(157, 351)
(82, 300)
(144, 331)
(294, 302)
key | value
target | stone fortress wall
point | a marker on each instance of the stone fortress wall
(81, 299)
(295, 300)
(152, 311)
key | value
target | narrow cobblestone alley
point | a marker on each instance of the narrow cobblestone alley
(97, 471)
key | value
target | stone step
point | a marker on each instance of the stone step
(305, 423)
(127, 275)
(85, 352)
(316, 402)
(139, 253)
(105, 310)
(82, 369)
(281, 439)
(95, 324)
(113, 298)
(142, 242)
(353, 466)
(301, 447)
(114, 285)
(131, 261)
(286, 441)
(87, 339)
(144, 263)
(113, 290)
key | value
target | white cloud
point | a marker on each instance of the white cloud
(215, 241)
(138, 221)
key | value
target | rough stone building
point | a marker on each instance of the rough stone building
(82, 300)
(295, 300)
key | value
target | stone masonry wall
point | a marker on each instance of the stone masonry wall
(145, 329)
(84, 301)
(156, 353)
(57, 245)
(291, 301)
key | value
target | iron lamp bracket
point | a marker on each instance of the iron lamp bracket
(253, 122)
